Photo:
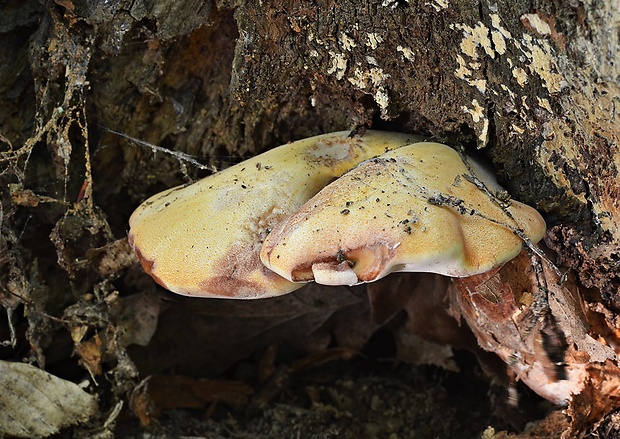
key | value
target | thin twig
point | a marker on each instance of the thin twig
(472, 178)
(180, 156)
(12, 341)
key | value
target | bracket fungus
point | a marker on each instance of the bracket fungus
(204, 239)
(418, 208)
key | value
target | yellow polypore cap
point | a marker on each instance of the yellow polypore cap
(416, 208)
(204, 239)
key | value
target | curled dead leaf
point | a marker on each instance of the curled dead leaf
(37, 404)
(545, 341)
(157, 393)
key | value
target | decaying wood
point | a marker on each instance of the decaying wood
(532, 85)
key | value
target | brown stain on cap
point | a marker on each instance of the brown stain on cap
(233, 273)
(367, 262)
(147, 264)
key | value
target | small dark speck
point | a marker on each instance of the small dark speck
(167, 204)
(348, 203)
(345, 211)
(408, 230)
(244, 186)
(278, 257)
(377, 200)
(242, 169)
(259, 165)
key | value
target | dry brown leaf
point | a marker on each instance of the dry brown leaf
(429, 333)
(228, 331)
(112, 258)
(37, 404)
(547, 428)
(498, 308)
(138, 318)
(547, 345)
(90, 351)
(600, 396)
(277, 381)
(158, 393)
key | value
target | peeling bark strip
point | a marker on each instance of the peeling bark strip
(549, 349)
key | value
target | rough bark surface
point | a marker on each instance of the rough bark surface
(533, 85)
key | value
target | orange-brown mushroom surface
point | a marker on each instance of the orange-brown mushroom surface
(417, 208)
(204, 239)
